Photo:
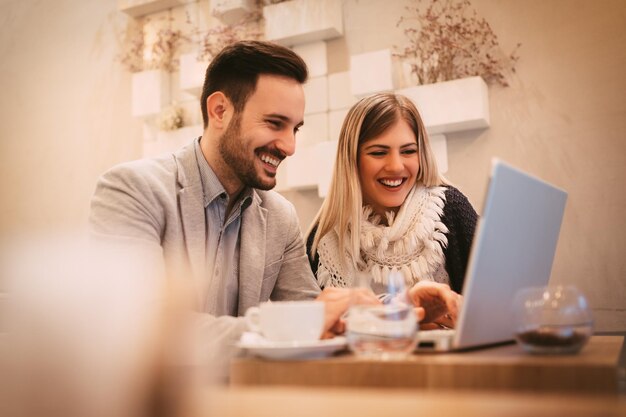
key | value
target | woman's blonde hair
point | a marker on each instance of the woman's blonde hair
(369, 118)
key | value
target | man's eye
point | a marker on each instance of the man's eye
(274, 123)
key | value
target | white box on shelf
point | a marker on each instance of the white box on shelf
(301, 169)
(192, 73)
(339, 92)
(326, 153)
(137, 8)
(232, 11)
(314, 54)
(371, 72)
(452, 106)
(335, 121)
(314, 130)
(301, 21)
(150, 92)
(316, 95)
(440, 148)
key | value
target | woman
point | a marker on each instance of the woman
(390, 209)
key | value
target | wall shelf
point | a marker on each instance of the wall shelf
(302, 21)
(452, 106)
(232, 11)
(138, 8)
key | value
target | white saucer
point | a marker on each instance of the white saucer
(259, 346)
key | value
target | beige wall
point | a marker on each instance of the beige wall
(564, 119)
(65, 117)
(64, 109)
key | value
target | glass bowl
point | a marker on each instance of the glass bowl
(552, 320)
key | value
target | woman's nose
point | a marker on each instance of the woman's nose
(394, 163)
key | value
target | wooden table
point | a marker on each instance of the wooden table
(366, 402)
(596, 369)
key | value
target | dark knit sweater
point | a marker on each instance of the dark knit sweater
(460, 218)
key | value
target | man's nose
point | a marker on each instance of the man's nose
(286, 143)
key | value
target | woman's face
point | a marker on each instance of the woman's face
(388, 166)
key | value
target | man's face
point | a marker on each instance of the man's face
(263, 134)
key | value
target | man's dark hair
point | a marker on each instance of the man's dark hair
(236, 69)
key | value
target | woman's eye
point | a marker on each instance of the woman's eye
(409, 151)
(377, 153)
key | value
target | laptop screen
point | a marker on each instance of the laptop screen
(513, 248)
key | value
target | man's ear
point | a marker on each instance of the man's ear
(219, 110)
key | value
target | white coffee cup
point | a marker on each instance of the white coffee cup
(293, 321)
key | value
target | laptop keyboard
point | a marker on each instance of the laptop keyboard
(438, 340)
(437, 333)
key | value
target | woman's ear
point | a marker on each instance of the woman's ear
(218, 110)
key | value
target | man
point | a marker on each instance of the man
(208, 207)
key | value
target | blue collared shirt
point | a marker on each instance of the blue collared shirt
(222, 240)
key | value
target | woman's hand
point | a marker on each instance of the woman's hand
(337, 301)
(439, 303)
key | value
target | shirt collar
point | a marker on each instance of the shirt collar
(212, 188)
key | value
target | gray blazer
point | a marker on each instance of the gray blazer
(160, 202)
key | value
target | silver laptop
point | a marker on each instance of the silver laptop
(513, 248)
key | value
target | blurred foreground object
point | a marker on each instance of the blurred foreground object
(87, 329)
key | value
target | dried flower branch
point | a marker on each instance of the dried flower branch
(453, 42)
(215, 39)
(131, 45)
(162, 46)
(163, 50)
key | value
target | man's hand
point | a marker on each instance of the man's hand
(337, 301)
(441, 305)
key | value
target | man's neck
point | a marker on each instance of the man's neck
(223, 172)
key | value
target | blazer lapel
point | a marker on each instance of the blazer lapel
(252, 254)
(190, 198)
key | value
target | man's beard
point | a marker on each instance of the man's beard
(240, 163)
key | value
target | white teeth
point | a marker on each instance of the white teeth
(270, 160)
(390, 183)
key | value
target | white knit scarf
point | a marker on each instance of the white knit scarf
(411, 244)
